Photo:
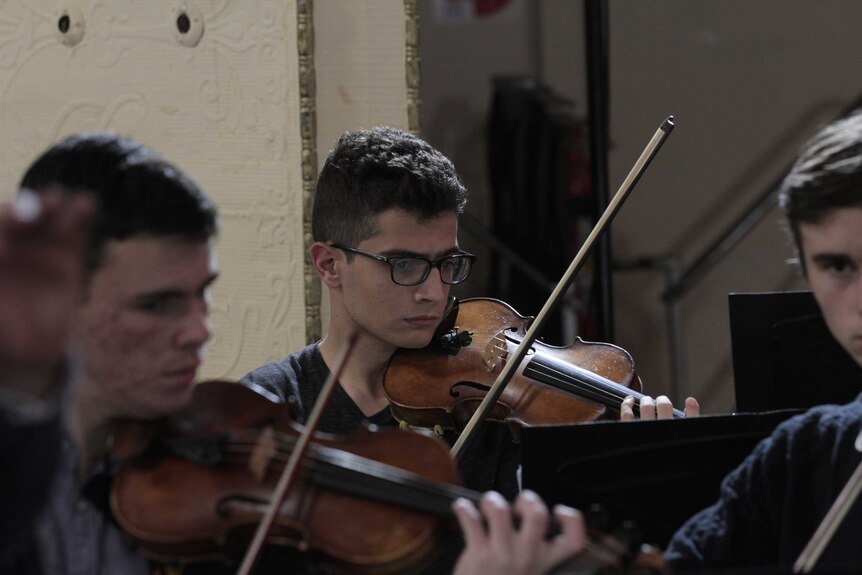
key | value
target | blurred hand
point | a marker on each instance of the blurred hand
(42, 243)
(497, 546)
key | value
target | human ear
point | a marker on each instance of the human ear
(324, 260)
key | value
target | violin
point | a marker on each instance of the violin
(193, 486)
(493, 395)
(440, 386)
(371, 502)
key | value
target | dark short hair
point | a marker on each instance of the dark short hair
(827, 175)
(137, 193)
(371, 171)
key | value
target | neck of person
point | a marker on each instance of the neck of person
(362, 375)
(90, 426)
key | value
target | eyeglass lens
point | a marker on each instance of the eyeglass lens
(453, 269)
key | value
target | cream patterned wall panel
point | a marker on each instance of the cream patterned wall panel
(226, 110)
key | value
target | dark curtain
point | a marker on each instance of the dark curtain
(542, 204)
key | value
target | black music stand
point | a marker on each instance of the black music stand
(784, 355)
(655, 473)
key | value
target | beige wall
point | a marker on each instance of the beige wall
(747, 82)
(226, 110)
(236, 110)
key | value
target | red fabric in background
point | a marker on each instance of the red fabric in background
(488, 7)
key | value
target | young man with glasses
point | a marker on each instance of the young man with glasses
(385, 225)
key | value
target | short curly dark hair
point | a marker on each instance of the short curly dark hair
(371, 171)
(137, 193)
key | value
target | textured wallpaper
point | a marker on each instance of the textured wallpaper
(246, 97)
(213, 86)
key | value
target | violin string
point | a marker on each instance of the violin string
(352, 473)
(590, 384)
(367, 478)
(394, 484)
(565, 376)
(586, 379)
(355, 475)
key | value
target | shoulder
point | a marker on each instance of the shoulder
(801, 442)
(805, 454)
(283, 377)
(817, 429)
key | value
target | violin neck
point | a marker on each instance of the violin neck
(354, 475)
(583, 383)
(361, 477)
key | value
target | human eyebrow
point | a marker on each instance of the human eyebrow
(455, 250)
(167, 295)
(158, 301)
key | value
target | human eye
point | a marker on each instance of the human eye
(456, 268)
(406, 265)
(839, 265)
(837, 268)
(159, 305)
(450, 263)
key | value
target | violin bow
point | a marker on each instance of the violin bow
(527, 342)
(842, 504)
(299, 450)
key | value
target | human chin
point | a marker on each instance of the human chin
(416, 339)
(166, 405)
(853, 346)
(169, 398)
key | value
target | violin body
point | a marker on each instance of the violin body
(442, 385)
(202, 485)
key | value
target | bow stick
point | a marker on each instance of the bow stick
(289, 473)
(526, 343)
(821, 538)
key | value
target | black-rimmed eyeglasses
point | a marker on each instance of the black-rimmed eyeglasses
(413, 270)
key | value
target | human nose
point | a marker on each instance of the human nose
(195, 330)
(433, 288)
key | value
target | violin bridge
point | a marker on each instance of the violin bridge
(495, 352)
(264, 451)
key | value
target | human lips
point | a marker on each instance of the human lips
(423, 320)
(185, 374)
